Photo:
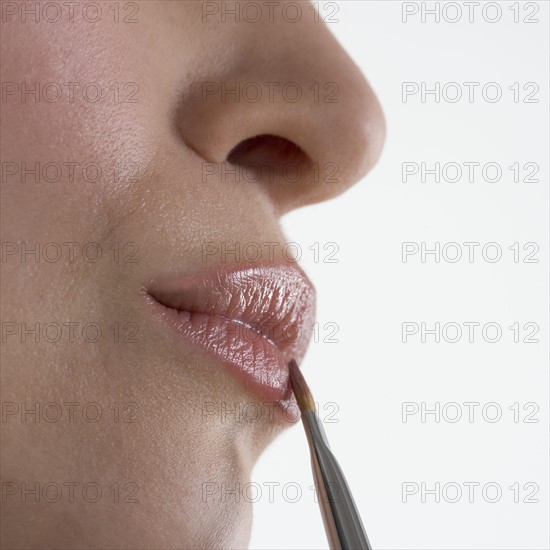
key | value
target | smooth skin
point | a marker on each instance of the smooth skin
(153, 443)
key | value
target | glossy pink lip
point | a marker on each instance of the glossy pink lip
(253, 318)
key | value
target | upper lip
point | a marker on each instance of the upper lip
(275, 301)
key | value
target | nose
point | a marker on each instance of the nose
(286, 105)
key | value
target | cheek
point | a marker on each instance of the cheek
(82, 121)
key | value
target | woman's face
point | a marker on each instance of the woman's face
(130, 287)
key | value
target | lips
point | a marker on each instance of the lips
(253, 319)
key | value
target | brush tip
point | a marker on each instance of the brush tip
(300, 387)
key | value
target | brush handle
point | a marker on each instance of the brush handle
(342, 521)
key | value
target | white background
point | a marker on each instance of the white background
(370, 292)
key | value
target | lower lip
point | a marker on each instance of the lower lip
(253, 359)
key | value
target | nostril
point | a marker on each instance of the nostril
(268, 150)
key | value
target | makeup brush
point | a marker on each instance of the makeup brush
(343, 524)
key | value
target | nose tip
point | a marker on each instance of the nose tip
(298, 103)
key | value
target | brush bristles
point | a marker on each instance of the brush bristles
(301, 390)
